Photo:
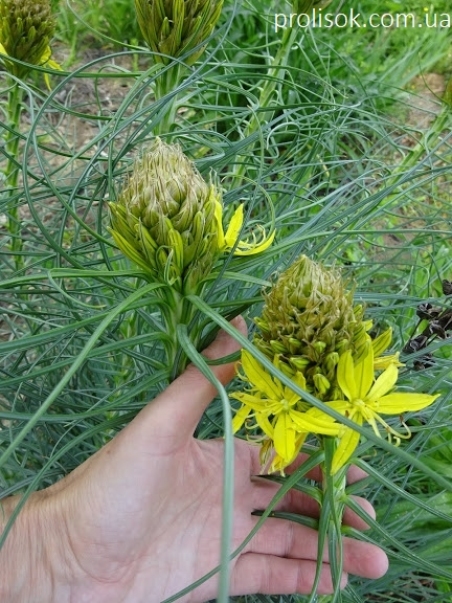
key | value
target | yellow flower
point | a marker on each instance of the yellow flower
(226, 241)
(366, 400)
(276, 411)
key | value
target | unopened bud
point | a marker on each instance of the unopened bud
(176, 28)
(321, 384)
(299, 362)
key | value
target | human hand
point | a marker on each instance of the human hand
(141, 519)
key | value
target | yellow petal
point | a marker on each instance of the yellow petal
(346, 376)
(3, 49)
(289, 394)
(311, 423)
(384, 383)
(347, 446)
(382, 362)
(264, 424)
(284, 437)
(254, 248)
(394, 404)
(218, 214)
(240, 417)
(53, 65)
(251, 400)
(364, 374)
(258, 376)
(278, 465)
(234, 228)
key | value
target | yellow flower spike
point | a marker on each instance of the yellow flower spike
(174, 209)
(366, 400)
(177, 27)
(227, 241)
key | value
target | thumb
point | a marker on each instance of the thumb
(177, 411)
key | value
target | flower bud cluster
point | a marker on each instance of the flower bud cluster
(174, 28)
(26, 28)
(309, 319)
(169, 221)
(164, 218)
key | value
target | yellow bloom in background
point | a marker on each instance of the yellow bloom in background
(366, 399)
(277, 410)
(26, 28)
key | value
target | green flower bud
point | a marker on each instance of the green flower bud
(331, 361)
(164, 218)
(277, 347)
(319, 347)
(26, 28)
(177, 27)
(321, 383)
(310, 319)
(299, 362)
(294, 345)
(286, 369)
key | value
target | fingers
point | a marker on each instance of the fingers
(273, 575)
(176, 412)
(355, 474)
(298, 502)
(294, 541)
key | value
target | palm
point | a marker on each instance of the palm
(133, 526)
(141, 519)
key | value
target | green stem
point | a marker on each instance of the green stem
(332, 512)
(275, 77)
(165, 84)
(176, 311)
(12, 169)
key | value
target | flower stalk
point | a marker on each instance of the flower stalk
(176, 31)
(12, 168)
(274, 80)
(26, 28)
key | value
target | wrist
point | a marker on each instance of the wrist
(31, 566)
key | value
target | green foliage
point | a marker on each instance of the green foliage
(102, 23)
(325, 137)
